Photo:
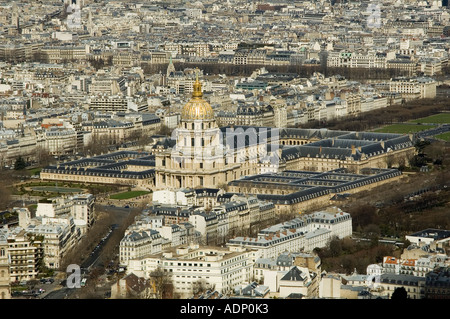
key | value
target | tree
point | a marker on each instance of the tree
(98, 145)
(5, 195)
(43, 156)
(372, 232)
(164, 130)
(421, 145)
(399, 294)
(199, 286)
(20, 164)
(364, 215)
(163, 284)
(335, 247)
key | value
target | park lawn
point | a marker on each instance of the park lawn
(128, 195)
(444, 136)
(441, 118)
(35, 171)
(404, 128)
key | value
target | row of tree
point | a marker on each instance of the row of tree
(303, 71)
(413, 109)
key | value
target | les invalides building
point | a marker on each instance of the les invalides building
(204, 154)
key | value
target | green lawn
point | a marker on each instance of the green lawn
(127, 195)
(35, 171)
(54, 189)
(404, 128)
(437, 118)
(444, 136)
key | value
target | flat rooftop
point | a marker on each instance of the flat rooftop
(435, 234)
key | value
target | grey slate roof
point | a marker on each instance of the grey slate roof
(294, 274)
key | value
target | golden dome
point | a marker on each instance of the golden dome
(197, 108)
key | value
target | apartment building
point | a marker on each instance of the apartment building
(430, 66)
(373, 103)
(368, 59)
(300, 234)
(117, 103)
(107, 85)
(404, 66)
(14, 108)
(413, 285)
(79, 208)
(139, 243)
(21, 145)
(182, 197)
(60, 141)
(19, 52)
(418, 267)
(59, 236)
(437, 283)
(299, 281)
(22, 252)
(270, 245)
(333, 219)
(430, 237)
(82, 210)
(199, 49)
(238, 214)
(5, 287)
(155, 57)
(178, 234)
(126, 58)
(353, 101)
(413, 87)
(187, 266)
(260, 115)
(61, 54)
(207, 225)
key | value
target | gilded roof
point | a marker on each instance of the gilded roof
(197, 108)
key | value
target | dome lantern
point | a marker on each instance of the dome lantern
(197, 108)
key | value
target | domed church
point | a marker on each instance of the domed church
(202, 155)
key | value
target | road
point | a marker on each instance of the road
(63, 292)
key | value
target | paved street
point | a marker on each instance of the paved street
(58, 291)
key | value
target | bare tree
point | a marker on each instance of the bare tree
(164, 130)
(200, 286)
(43, 156)
(5, 192)
(98, 145)
(162, 283)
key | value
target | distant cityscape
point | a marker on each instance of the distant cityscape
(242, 150)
